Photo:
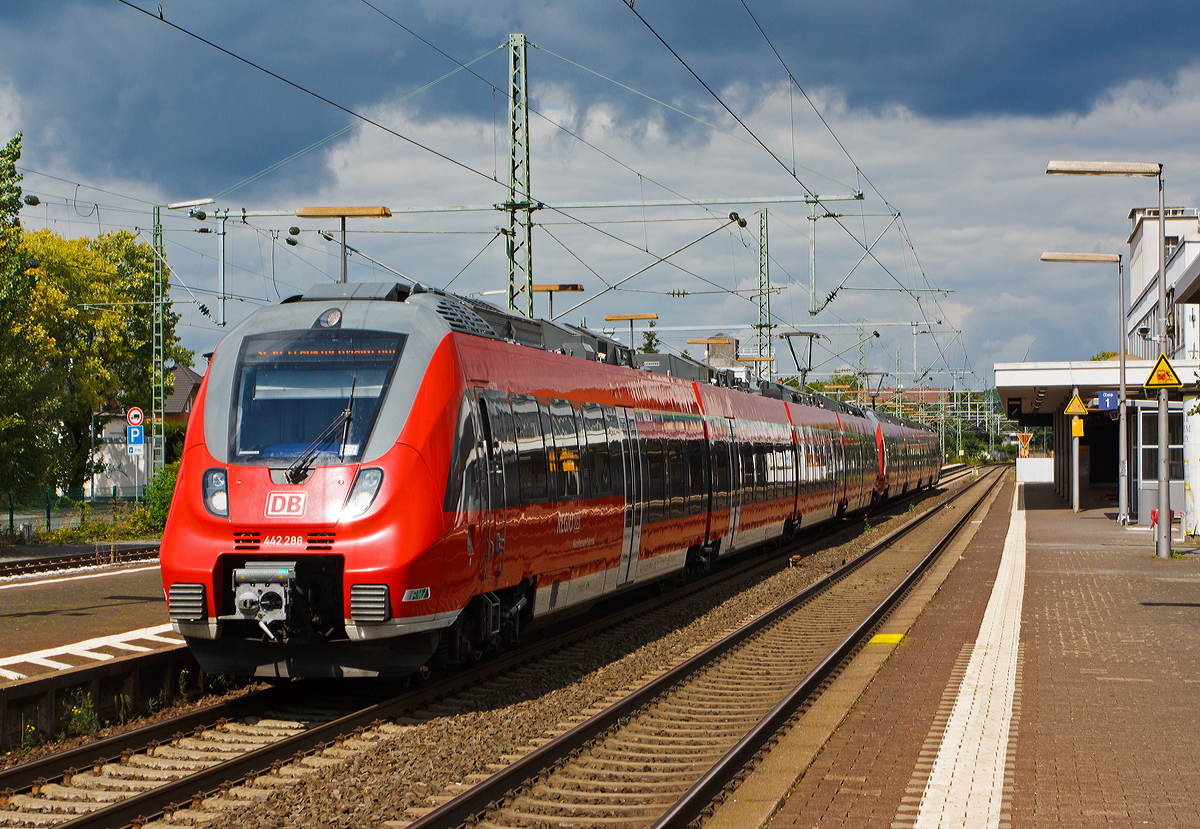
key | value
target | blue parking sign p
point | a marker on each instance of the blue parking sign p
(137, 435)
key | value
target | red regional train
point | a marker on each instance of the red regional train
(375, 474)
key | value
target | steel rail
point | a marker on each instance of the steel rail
(203, 783)
(97, 557)
(485, 795)
(206, 782)
(713, 782)
(111, 748)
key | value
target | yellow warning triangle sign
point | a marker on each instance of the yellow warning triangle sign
(1163, 376)
(1076, 407)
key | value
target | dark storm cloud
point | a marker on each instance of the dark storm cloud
(941, 59)
(121, 94)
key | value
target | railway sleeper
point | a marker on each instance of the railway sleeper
(601, 788)
(625, 803)
(57, 791)
(125, 772)
(108, 783)
(591, 763)
(623, 816)
(29, 803)
(675, 756)
(207, 753)
(609, 776)
(158, 762)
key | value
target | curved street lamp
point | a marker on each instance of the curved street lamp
(1146, 169)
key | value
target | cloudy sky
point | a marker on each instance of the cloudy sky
(943, 114)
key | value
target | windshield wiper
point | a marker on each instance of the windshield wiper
(349, 412)
(298, 471)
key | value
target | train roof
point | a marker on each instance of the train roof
(468, 315)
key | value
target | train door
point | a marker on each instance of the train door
(736, 490)
(631, 540)
(501, 449)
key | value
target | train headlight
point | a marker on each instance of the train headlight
(215, 486)
(362, 494)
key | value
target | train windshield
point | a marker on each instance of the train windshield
(310, 392)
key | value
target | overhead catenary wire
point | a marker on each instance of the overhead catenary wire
(341, 108)
(752, 134)
(308, 91)
(639, 272)
(431, 150)
(858, 170)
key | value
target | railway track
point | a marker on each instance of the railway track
(102, 554)
(663, 753)
(265, 741)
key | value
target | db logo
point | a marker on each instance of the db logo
(286, 504)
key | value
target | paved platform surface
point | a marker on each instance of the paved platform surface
(1049, 682)
(45, 611)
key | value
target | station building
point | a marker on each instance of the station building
(1037, 394)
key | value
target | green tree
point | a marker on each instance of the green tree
(650, 340)
(93, 301)
(26, 392)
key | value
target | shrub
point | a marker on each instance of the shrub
(158, 494)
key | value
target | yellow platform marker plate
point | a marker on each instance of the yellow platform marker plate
(887, 638)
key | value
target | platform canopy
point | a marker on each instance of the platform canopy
(1044, 389)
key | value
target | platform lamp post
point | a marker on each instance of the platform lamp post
(343, 213)
(630, 318)
(1111, 258)
(570, 287)
(1146, 169)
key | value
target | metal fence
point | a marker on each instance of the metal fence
(53, 510)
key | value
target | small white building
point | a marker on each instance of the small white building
(123, 474)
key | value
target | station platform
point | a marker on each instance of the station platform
(63, 619)
(1048, 675)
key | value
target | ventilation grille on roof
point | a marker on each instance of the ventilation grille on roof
(463, 319)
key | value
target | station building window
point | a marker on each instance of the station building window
(1149, 443)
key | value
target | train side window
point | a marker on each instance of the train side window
(720, 450)
(697, 488)
(462, 484)
(747, 457)
(504, 441)
(768, 482)
(760, 472)
(676, 478)
(656, 479)
(599, 462)
(565, 462)
(532, 463)
(612, 425)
